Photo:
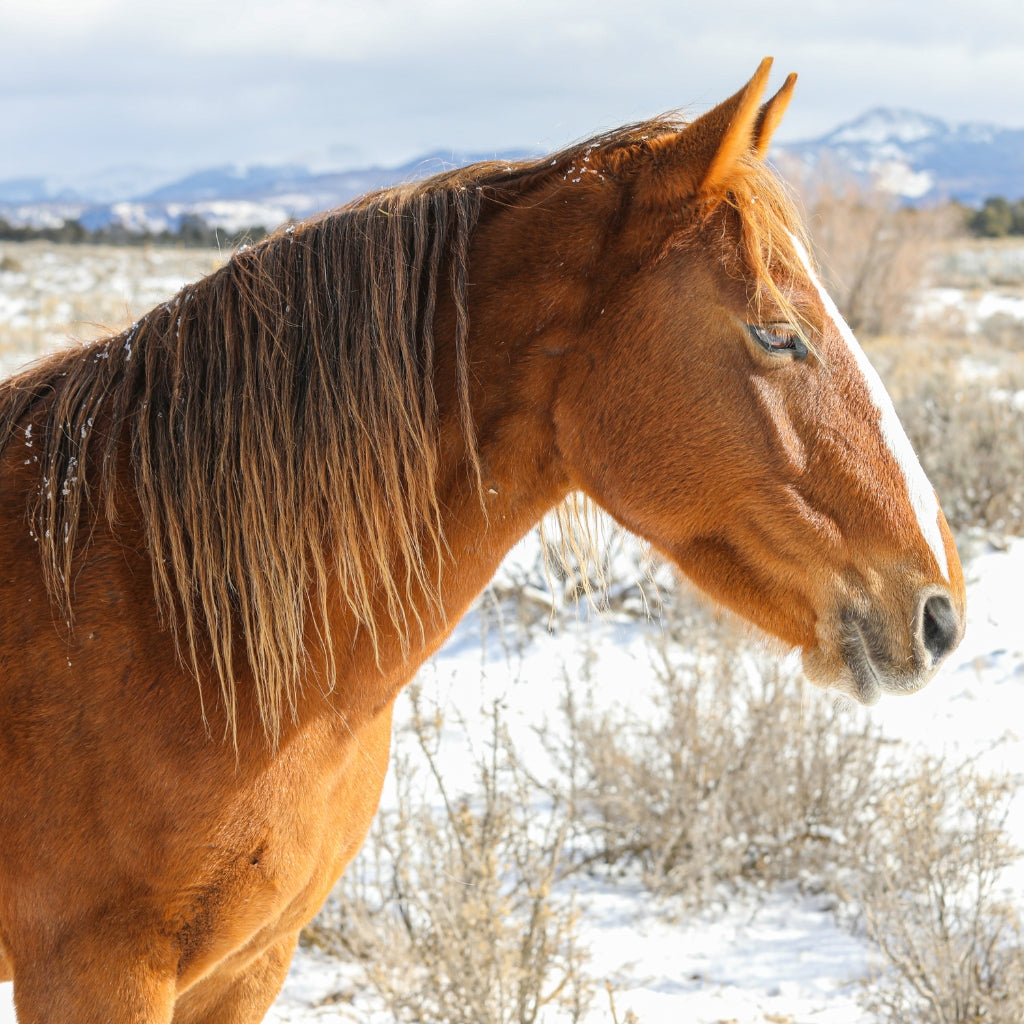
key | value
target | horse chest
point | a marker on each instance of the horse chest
(287, 838)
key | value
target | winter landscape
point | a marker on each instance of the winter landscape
(798, 920)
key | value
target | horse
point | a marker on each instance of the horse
(230, 534)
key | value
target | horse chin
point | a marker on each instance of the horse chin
(857, 680)
(854, 671)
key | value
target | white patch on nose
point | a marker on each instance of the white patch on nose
(922, 494)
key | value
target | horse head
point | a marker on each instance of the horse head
(721, 408)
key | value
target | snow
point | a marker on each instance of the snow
(47, 298)
(993, 304)
(774, 955)
(777, 959)
(898, 178)
(883, 125)
(969, 310)
(770, 955)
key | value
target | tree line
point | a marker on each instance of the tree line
(192, 232)
(997, 218)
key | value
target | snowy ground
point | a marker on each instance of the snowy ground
(776, 958)
(50, 293)
(779, 957)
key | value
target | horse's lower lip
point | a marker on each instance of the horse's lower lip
(868, 681)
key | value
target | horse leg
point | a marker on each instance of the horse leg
(93, 985)
(242, 998)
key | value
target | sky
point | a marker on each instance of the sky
(87, 85)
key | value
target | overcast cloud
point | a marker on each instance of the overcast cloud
(88, 84)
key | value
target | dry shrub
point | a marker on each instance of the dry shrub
(969, 436)
(452, 909)
(737, 777)
(874, 252)
(930, 899)
(1002, 331)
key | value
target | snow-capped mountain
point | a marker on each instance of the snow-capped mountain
(232, 198)
(912, 155)
(921, 158)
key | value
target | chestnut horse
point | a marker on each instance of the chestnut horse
(232, 533)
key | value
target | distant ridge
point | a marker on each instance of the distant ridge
(921, 158)
(914, 156)
(227, 197)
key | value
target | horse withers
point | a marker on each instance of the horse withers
(232, 533)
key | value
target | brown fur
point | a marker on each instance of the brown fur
(258, 510)
(234, 532)
(282, 424)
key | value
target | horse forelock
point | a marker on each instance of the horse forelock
(769, 222)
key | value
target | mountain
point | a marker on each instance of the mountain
(920, 158)
(231, 198)
(917, 157)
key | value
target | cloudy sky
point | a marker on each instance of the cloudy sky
(89, 84)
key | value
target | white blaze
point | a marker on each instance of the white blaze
(922, 494)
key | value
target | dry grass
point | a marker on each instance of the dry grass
(740, 776)
(50, 294)
(961, 400)
(929, 889)
(452, 909)
(970, 438)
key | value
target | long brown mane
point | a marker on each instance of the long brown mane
(281, 419)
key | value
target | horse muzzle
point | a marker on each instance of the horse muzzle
(884, 653)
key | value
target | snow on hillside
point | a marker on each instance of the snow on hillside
(232, 198)
(918, 157)
(886, 124)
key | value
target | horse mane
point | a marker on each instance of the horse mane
(281, 423)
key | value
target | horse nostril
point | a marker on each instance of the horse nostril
(940, 626)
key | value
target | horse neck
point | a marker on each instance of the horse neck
(519, 483)
(514, 367)
(523, 314)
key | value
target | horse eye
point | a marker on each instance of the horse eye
(779, 338)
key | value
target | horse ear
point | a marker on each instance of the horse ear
(719, 138)
(713, 145)
(771, 114)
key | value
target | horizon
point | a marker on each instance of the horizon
(65, 182)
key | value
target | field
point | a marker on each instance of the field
(570, 864)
